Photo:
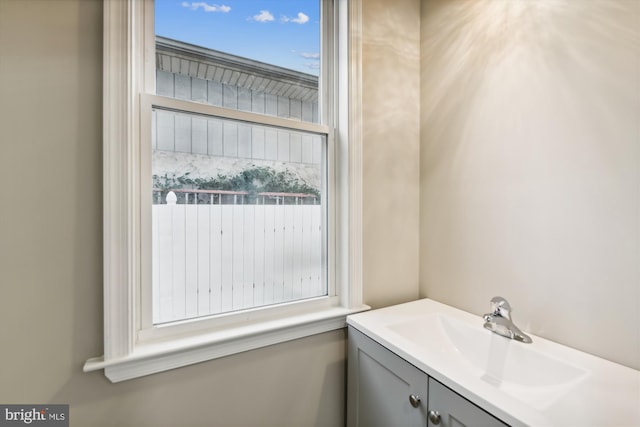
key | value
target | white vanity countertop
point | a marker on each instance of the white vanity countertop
(537, 384)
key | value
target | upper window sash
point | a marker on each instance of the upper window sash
(152, 100)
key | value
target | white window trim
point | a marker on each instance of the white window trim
(126, 356)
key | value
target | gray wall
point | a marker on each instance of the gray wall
(216, 137)
(530, 165)
(391, 150)
(51, 244)
(188, 133)
(213, 92)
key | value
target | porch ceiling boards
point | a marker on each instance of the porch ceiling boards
(195, 61)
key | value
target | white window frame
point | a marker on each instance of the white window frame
(132, 347)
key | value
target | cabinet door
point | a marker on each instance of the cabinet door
(382, 386)
(456, 411)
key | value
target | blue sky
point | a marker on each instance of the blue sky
(279, 32)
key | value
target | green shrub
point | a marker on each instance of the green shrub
(258, 179)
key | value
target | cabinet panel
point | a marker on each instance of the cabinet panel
(456, 411)
(380, 386)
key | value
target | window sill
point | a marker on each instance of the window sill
(150, 358)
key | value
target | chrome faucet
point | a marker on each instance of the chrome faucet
(499, 321)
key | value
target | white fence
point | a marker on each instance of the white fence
(216, 258)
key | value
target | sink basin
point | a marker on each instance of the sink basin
(538, 384)
(499, 361)
(515, 368)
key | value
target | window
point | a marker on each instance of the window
(239, 207)
(242, 228)
(232, 188)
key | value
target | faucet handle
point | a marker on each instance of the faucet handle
(501, 307)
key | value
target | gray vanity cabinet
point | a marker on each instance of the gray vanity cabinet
(454, 410)
(385, 390)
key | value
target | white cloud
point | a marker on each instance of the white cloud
(263, 16)
(310, 55)
(301, 19)
(206, 7)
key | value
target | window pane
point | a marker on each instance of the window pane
(252, 55)
(237, 215)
